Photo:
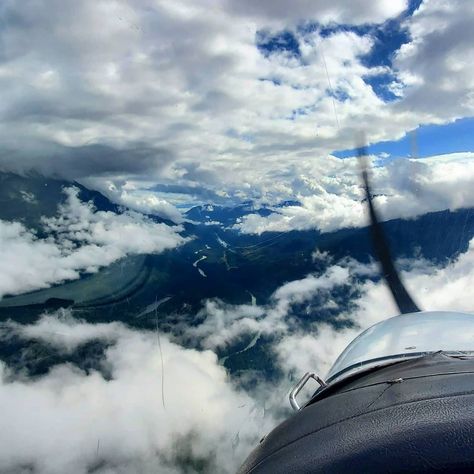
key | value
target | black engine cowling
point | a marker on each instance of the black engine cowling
(411, 416)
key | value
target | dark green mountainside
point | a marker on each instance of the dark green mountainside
(237, 268)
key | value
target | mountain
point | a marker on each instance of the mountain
(28, 198)
(226, 216)
(217, 262)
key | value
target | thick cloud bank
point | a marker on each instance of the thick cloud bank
(228, 98)
(156, 406)
(79, 240)
(317, 345)
(70, 421)
(332, 198)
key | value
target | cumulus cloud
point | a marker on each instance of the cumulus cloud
(437, 62)
(223, 101)
(163, 407)
(317, 345)
(149, 203)
(224, 324)
(71, 421)
(133, 196)
(348, 12)
(444, 288)
(333, 199)
(78, 240)
(180, 92)
(435, 288)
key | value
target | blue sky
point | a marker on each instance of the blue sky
(425, 140)
(388, 37)
(430, 140)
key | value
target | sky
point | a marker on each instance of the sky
(161, 104)
(425, 141)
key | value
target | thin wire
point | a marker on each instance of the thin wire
(330, 86)
(162, 363)
(259, 244)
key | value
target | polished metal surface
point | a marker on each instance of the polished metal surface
(301, 383)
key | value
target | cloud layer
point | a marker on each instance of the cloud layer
(233, 99)
(223, 101)
(72, 421)
(78, 240)
(155, 405)
(315, 346)
(332, 197)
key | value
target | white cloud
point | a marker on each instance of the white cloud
(178, 92)
(142, 92)
(316, 348)
(65, 333)
(67, 420)
(349, 12)
(300, 290)
(143, 201)
(149, 203)
(70, 421)
(224, 324)
(80, 239)
(332, 199)
(316, 351)
(437, 65)
(435, 288)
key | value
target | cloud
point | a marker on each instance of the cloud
(144, 201)
(78, 240)
(333, 199)
(434, 287)
(437, 63)
(83, 160)
(180, 93)
(156, 96)
(155, 406)
(150, 203)
(337, 12)
(115, 419)
(224, 324)
(306, 344)
(71, 421)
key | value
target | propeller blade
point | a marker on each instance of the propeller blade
(400, 294)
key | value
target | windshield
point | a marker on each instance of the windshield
(203, 200)
(405, 336)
